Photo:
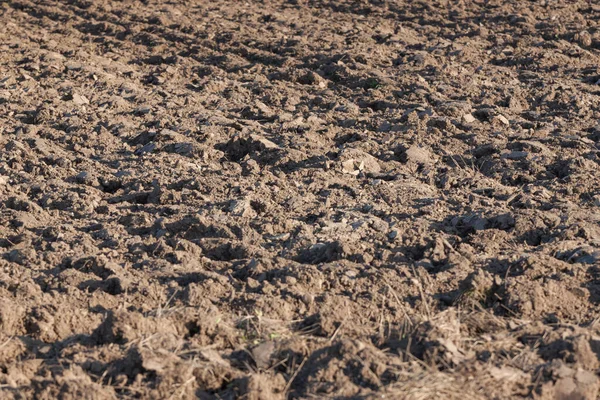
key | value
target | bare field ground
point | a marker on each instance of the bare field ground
(299, 199)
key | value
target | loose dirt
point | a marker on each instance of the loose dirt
(299, 199)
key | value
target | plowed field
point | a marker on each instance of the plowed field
(299, 199)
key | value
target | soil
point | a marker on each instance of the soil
(299, 199)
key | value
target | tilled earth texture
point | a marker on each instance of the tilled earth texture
(299, 199)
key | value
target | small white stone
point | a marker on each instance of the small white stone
(502, 119)
(469, 118)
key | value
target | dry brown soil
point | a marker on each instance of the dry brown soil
(299, 199)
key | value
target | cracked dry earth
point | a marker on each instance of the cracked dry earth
(299, 199)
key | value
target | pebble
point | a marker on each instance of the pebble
(502, 119)
(307, 299)
(469, 118)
